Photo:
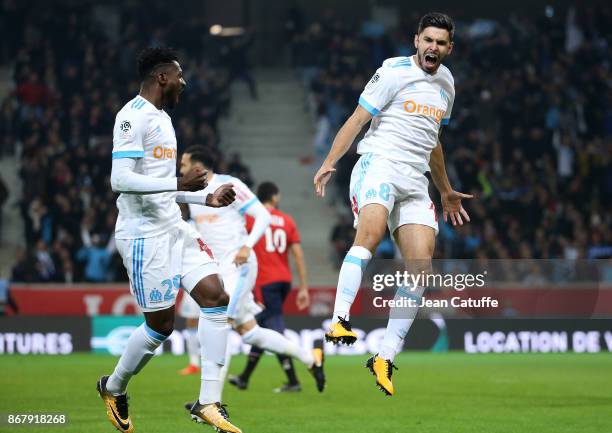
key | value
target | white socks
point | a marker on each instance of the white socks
(273, 341)
(349, 280)
(193, 346)
(225, 368)
(138, 351)
(400, 320)
(213, 330)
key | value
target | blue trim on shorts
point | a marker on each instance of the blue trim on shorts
(154, 334)
(444, 121)
(134, 272)
(365, 104)
(364, 164)
(237, 292)
(135, 279)
(140, 279)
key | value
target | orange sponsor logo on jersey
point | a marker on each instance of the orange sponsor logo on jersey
(161, 152)
(204, 219)
(425, 110)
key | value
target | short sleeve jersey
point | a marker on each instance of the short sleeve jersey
(408, 106)
(145, 133)
(273, 248)
(223, 229)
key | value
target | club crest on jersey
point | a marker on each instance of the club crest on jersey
(155, 296)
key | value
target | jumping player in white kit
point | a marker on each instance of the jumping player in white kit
(225, 233)
(160, 251)
(407, 101)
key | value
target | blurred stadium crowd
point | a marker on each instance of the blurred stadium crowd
(68, 86)
(530, 134)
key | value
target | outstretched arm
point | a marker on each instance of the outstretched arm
(451, 200)
(342, 143)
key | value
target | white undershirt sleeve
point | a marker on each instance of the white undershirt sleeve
(125, 180)
(197, 197)
(262, 221)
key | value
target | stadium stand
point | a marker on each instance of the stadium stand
(530, 133)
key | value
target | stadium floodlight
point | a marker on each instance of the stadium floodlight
(216, 29)
(219, 30)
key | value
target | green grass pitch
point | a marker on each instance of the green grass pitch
(450, 392)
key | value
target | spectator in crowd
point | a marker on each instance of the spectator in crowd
(341, 238)
(3, 198)
(96, 256)
(238, 169)
(236, 56)
(322, 138)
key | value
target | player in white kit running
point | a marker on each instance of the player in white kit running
(224, 231)
(160, 251)
(407, 101)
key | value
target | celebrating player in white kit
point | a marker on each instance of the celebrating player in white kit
(224, 231)
(160, 251)
(407, 100)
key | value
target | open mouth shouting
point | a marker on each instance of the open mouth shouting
(430, 61)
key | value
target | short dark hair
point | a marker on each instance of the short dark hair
(151, 57)
(200, 154)
(266, 191)
(439, 20)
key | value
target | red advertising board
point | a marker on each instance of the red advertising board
(115, 299)
(77, 300)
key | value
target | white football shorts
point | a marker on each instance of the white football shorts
(399, 187)
(238, 282)
(159, 266)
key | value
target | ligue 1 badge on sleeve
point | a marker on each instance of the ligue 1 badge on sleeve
(374, 79)
(126, 129)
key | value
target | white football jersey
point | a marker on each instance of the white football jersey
(223, 229)
(408, 106)
(142, 131)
